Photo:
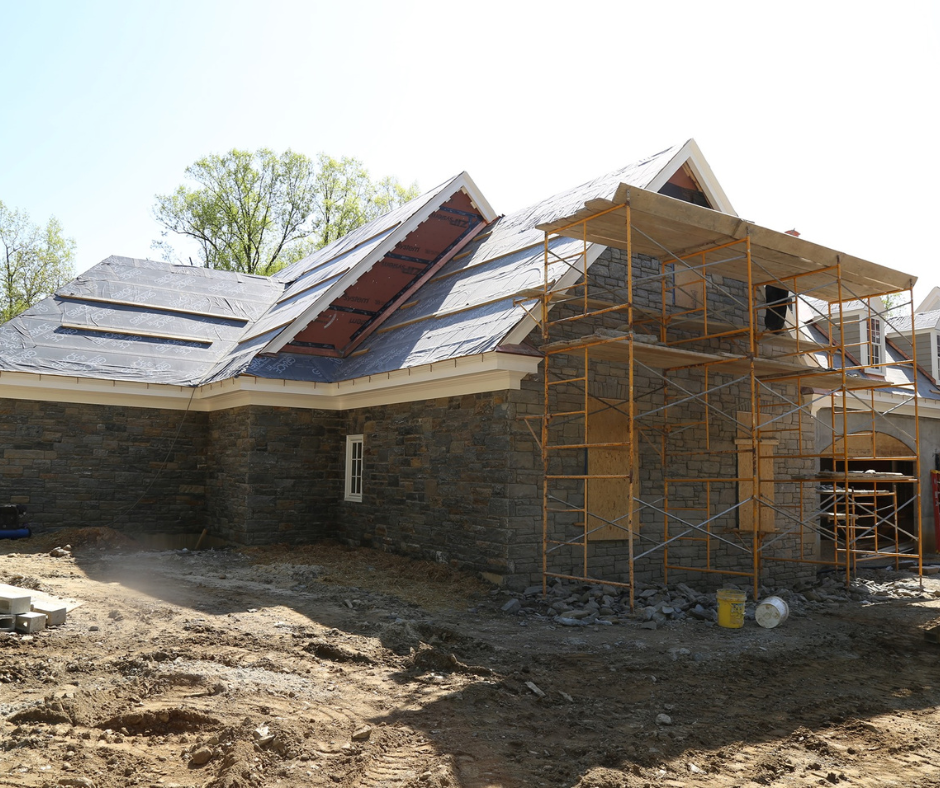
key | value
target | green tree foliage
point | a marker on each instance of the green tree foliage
(36, 261)
(256, 212)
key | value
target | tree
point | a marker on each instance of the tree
(256, 212)
(36, 261)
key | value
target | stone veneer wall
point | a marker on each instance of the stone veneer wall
(275, 474)
(127, 468)
(454, 479)
(441, 481)
(696, 450)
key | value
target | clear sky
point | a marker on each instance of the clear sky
(820, 116)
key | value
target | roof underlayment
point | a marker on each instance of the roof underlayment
(153, 322)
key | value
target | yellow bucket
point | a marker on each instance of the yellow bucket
(731, 608)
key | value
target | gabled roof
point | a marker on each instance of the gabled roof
(463, 295)
(687, 163)
(477, 302)
(931, 302)
(315, 283)
(897, 372)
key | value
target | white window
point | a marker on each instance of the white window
(353, 467)
(875, 342)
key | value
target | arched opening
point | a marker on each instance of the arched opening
(878, 501)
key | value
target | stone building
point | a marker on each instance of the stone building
(389, 389)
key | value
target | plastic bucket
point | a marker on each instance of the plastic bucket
(731, 608)
(771, 612)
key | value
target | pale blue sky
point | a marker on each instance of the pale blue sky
(817, 115)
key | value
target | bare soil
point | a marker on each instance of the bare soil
(326, 666)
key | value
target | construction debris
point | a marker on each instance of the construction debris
(576, 604)
(17, 605)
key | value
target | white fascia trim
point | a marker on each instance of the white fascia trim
(477, 198)
(461, 182)
(456, 377)
(691, 154)
(524, 327)
(931, 302)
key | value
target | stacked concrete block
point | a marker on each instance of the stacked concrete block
(54, 613)
(18, 612)
(27, 623)
(13, 600)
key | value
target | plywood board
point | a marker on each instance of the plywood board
(608, 499)
(689, 292)
(746, 486)
(661, 223)
(746, 472)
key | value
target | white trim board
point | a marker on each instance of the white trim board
(493, 371)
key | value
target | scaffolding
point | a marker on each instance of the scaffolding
(689, 377)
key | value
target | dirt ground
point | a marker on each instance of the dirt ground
(325, 666)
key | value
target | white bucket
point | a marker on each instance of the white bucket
(771, 612)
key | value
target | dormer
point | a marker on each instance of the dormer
(863, 330)
(926, 327)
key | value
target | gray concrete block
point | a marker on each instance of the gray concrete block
(14, 600)
(55, 614)
(27, 623)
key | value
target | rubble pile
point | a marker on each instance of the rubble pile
(571, 603)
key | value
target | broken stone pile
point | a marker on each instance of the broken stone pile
(573, 604)
(576, 604)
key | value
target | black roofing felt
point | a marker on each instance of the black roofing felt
(140, 320)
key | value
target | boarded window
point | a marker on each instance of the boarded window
(609, 499)
(871, 445)
(766, 448)
(688, 288)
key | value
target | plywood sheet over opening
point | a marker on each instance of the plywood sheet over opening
(766, 518)
(609, 499)
(687, 288)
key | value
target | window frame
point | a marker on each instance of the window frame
(355, 463)
(875, 345)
